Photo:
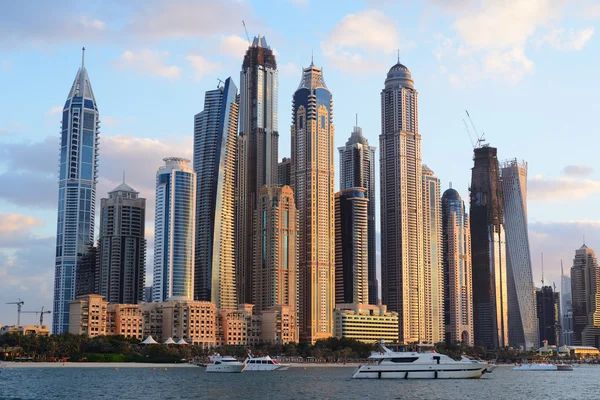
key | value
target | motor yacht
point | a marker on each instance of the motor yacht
(419, 365)
(224, 364)
(264, 364)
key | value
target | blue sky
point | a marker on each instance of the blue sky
(525, 69)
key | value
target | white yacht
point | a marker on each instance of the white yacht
(415, 365)
(264, 364)
(224, 364)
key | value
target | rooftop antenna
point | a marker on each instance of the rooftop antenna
(246, 30)
(542, 269)
(82, 56)
(123, 176)
(398, 56)
(220, 83)
(584, 240)
(357, 120)
(312, 57)
(450, 185)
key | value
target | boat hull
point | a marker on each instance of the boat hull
(223, 368)
(267, 367)
(440, 371)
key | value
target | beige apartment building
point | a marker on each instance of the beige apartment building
(365, 322)
(279, 325)
(125, 320)
(88, 315)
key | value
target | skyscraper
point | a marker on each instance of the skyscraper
(566, 308)
(122, 246)
(522, 321)
(357, 169)
(77, 177)
(432, 256)
(488, 251)
(585, 292)
(312, 181)
(284, 172)
(215, 144)
(275, 250)
(548, 315)
(458, 296)
(402, 260)
(257, 150)
(174, 231)
(88, 273)
(351, 246)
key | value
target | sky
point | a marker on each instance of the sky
(526, 70)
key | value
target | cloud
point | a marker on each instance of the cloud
(12, 225)
(233, 46)
(111, 122)
(149, 62)
(492, 37)
(202, 66)
(561, 188)
(358, 37)
(55, 110)
(578, 170)
(289, 68)
(92, 23)
(561, 39)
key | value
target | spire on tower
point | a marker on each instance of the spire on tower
(82, 56)
(398, 56)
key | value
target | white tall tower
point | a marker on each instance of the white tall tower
(522, 317)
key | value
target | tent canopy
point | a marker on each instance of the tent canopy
(181, 341)
(149, 340)
(169, 341)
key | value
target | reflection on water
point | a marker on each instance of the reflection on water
(296, 383)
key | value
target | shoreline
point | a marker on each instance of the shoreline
(157, 366)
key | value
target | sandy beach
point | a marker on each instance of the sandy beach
(144, 365)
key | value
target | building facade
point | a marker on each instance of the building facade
(275, 250)
(402, 260)
(122, 246)
(488, 251)
(566, 308)
(174, 231)
(351, 246)
(88, 315)
(522, 329)
(279, 325)
(87, 279)
(432, 255)
(357, 169)
(365, 322)
(585, 292)
(548, 315)
(456, 260)
(312, 182)
(257, 149)
(284, 172)
(215, 152)
(125, 320)
(77, 177)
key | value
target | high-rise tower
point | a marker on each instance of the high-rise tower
(174, 231)
(215, 144)
(522, 321)
(402, 261)
(548, 315)
(488, 251)
(357, 169)
(458, 296)
(351, 246)
(257, 150)
(585, 291)
(122, 246)
(80, 131)
(566, 308)
(432, 255)
(312, 181)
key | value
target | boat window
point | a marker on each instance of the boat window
(251, 362)
(404, 359)
(270, 361)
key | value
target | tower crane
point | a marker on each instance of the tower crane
(480, 138)
(246, 30)
(19, 305)
(41, 312)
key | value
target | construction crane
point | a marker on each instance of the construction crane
(480, 138)
(246, 30)
(19, 305)
(41, 312)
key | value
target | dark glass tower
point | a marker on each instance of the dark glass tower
(488, 251)
(76, 192)
(257, 150)
(548, 314)
(357, 169)
(122, 246)
(215, 145)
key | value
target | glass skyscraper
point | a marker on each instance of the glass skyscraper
(174, 231)
(357, 169)
(215, 145)
(522, 321)
(488, 251)
(312, 181)
(257, 150)
(76, 192)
